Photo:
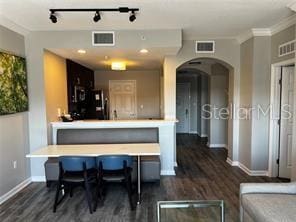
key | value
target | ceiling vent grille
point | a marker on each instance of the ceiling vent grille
(103, 38)
(287, 48)
(205, 46)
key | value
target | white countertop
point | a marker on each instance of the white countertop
(115, 123)
(135, 149)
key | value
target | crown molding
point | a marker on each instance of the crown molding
(261, 32)
(292, 5)
(13, 26)
(285, 23)
(253, 33)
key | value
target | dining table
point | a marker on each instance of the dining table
(93, 150)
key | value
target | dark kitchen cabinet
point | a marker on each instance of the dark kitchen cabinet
(80, 83)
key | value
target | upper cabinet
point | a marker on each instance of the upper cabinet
(80, 82)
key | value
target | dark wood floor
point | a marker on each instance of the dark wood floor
(202, 174)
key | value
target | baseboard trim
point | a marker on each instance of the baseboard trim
(38, 179)
(232, 163)
(253, 172)
(217, 145)
(167, 173)
(15, 190)
(246, 169)
(193, 132)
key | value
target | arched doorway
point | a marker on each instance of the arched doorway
(209, 110)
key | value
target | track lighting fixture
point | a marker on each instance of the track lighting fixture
(97, 11)
(132, 16)
(53, 17)
(97, 16)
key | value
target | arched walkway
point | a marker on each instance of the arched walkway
(172, 64)
(209, 94)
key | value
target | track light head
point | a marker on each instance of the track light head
(132, 17)
(53, 17)
(97, 16)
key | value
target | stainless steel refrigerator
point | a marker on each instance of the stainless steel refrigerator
(97, 105)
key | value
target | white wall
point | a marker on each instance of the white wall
(261, 96)
(198, 105)
(161, 94)
(227, 51)
(204, 101)
(293, 171)
(14, 143)
(218, 99)
(255, 91)
(246, 101)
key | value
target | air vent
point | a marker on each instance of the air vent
(194, 63)
(287, 48)
(100, 38)
(205, 46)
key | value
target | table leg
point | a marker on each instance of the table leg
(139, 180)
(222, 212)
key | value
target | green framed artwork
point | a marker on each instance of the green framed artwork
(13, 84)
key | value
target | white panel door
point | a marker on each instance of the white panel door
(123, 99)
(182, 107)
(285, 154)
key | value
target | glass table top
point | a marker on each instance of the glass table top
(190, 210)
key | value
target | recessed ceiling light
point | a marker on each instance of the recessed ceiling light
(143, 51)
(81, 51)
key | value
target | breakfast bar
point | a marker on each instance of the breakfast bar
(166, 128)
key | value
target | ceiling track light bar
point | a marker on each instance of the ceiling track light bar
(97, 11)
(120, 9)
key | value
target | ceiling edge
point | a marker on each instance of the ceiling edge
(285, 23)
(292, 5)
(13, 26)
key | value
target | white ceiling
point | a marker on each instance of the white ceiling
(196, 18)
(95, 58)
(202, 18)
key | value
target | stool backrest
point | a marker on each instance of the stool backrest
(115, 162)
(75, 163)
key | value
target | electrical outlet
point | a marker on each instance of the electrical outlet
(14, 164)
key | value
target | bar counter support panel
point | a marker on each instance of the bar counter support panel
(166, 131)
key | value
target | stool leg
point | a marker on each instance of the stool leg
(98, 193)
(57, 196)
(128, 183)
(71, 190)
(88, 197)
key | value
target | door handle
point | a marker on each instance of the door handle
(186, 112)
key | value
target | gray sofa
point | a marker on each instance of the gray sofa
(268, 202)
(150, 165)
